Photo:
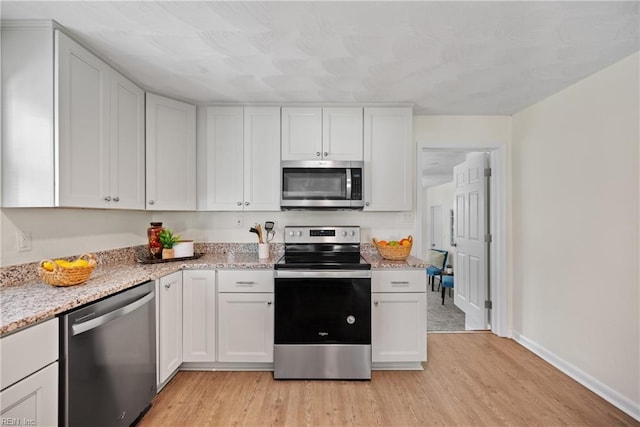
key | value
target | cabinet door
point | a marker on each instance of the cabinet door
(342, 133)
(262, 158)
(170, 154)
(169, 294)
(32, 401)
(127, 186)
(398, 327)
(224, 168)
(388, 168)
(82, 132)
(301, 133)
(245, 327)
(199, 316)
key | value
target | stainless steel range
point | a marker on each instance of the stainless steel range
(322, 305)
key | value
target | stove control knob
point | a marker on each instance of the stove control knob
(351, 320)
(344, 234)
(291, 233)
(299, 233)
(352, 233)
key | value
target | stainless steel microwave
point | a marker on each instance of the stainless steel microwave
(320, 184)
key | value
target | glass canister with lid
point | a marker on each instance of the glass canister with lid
(155, 247)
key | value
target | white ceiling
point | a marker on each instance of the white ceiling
(437, 165)
(443, 57)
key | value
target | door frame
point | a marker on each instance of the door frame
(498, 222)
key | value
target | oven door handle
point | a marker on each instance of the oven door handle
(321, 274)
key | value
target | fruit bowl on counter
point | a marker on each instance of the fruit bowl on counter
(67, 273)
(394, 250)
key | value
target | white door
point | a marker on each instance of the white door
(262, 158)
(127, 187)
(435, 228)
(169, 325)
(82, 133)
(342, 133)
(198, 316)
(471, 256)
(245, 327)
(170, 154)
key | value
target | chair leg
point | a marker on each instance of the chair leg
(443, 295)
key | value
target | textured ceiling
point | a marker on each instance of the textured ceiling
(443, 57)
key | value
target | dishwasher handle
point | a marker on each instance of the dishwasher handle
(79, 328)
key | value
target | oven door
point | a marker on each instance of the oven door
(322, 307)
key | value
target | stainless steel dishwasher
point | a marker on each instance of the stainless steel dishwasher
(108, 359)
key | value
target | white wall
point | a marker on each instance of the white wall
(439, 195)
(576, 230)
(63, 232)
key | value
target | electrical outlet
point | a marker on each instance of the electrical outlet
(238, 222)
(23, 241)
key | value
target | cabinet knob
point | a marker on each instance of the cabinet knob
(246, 203)
(107, 199)
(317, 154)
(366, 204)
(168, 285)
(326, 153)
(116, 199)
(375, 303)
(239, 203)
(269, 302)
(151, 202)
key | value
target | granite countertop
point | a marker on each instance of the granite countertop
(28, 303)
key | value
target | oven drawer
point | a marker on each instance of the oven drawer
(245, 281)
(397, 280)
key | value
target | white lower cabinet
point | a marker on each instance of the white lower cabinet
(169, 333)
(245, 316)
(29, 376)
(399, 316)
(32, 401)
(199, 316)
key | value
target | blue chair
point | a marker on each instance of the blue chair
(447, 282)
(437, 259)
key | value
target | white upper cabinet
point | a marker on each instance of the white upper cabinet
(262, 158)
(342, 133)
(82, 132)
(170, 154)
(388, 167)
(127, 184)
(242, 151)
(73, 132)
(315, 133)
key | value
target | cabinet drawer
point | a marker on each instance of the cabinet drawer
(245, 281)
(27, 351)
(399, 280)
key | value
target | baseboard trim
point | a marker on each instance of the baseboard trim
(607, 393)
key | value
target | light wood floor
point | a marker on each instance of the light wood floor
(469, 379)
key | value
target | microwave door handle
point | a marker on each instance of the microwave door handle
(348, 183)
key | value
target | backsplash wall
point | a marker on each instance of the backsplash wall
(58, 232)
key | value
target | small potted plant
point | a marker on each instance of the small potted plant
(168, 239)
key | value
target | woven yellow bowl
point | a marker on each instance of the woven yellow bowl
(63, 276)
(394, 253)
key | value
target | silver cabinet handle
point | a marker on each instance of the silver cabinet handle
(151, 202)
(246, 203)
(107, 199)
(168, 285)
(317, 153)
(98, 321)
(396, 284)
(326, 153)
(116, 199)
(242, 283)
(269, 302)
(375, 303)
(239, 203)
